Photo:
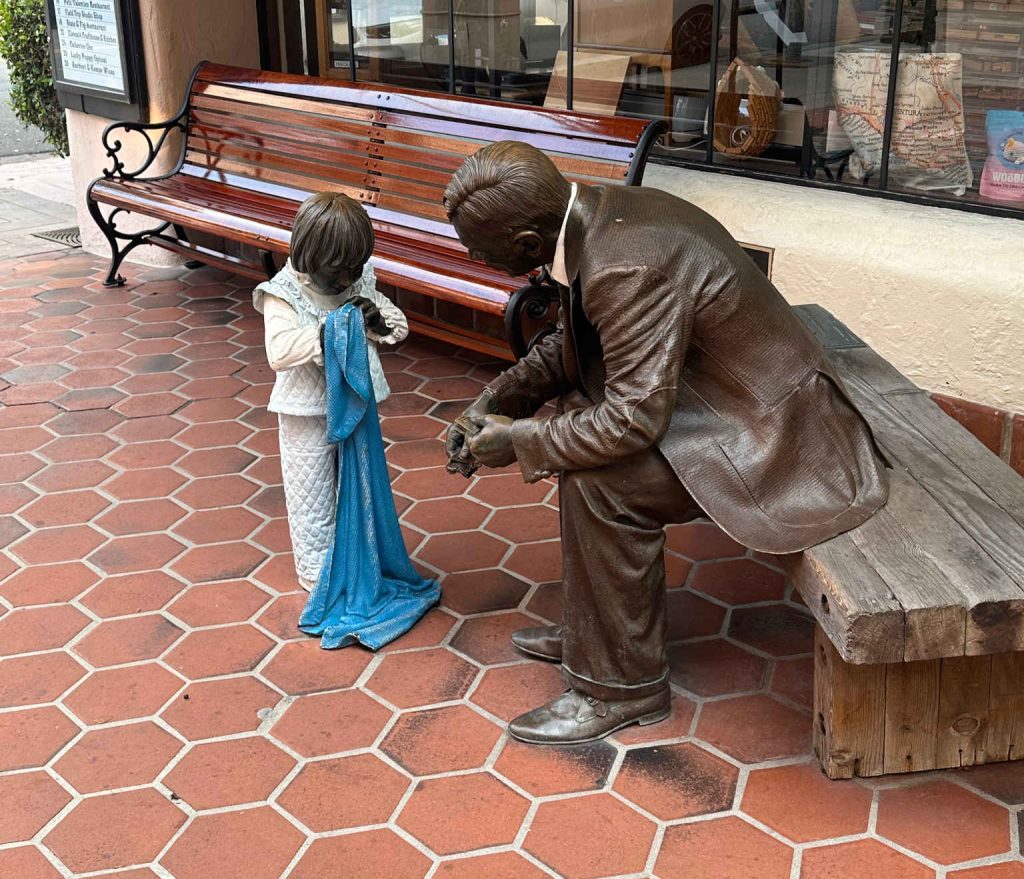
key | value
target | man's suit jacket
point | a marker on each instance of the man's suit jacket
(679, 341)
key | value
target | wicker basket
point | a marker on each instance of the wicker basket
(750, 135)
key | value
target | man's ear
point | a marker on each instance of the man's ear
(528, 243)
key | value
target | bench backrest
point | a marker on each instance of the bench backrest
(392, 149)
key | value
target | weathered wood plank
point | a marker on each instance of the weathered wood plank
(911, 716)
(991, 527)
(934, 613)
(963, 710)
(850, 601)
(829, 331)
(1004, 739)
(990, 473)
(849, 713)
(994, 603)
(875, 370)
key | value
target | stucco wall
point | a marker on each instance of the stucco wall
(938, 292)
(176, 36)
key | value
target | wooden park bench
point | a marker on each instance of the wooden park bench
(919, 653)
(255, 144)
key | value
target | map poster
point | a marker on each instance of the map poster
(91, 52)
(928, 151)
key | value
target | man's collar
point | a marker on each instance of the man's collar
(558, 269)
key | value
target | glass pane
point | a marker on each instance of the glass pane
(963, 136)
(506, 49)
(801, 87)
(402, 42)
(334, 41)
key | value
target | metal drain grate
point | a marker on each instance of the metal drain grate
(69, 237)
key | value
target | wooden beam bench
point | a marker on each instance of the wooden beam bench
(254, 144)
(919, 653)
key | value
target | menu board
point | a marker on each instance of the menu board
(91, 52)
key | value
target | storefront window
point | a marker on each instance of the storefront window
(915, 98)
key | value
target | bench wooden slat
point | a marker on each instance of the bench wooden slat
(850, 601)
(315, 126)
(877, 372)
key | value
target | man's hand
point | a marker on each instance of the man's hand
(492, 446)
(372, 317)
(459, 458)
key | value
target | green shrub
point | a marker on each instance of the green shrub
(24, 44)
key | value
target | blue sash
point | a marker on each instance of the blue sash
(368, 590)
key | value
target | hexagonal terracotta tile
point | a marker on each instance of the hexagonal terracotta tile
(463, 812)
(544, 772)
(281, 618)
(509, 490)
(28, 862)
(483, 591)
(330, 723)
(487, 639)
(27, 630)
(344, 792)
(139, 517)
(441, 740)
(118, 756)
(508, 692)
(725, 848)
(702, 540)
(431, 630)
(508, 865)
(614, 834)
(37, 797)
(47, 584)
(742, 581)
(219, 603)
(35, 679)
(129, 555)
(115, 830)
(218, 526)
(446, 514)
(777, 629)
(208, 709)
(67, 508)
(716, 667)
(539, 562)
(204, 564)
(368, 855)
(254, 843)
(211, 652)
(303, 667)
(116, 642)
(674, 727)
(123, 693)
(132, 593)
(692, 616)
(229, 773)
(677, 781)
(755, 728)
(866, 857)
(216, 491)
(409, 680)
(77, 474)
(525, 524)
(58, 544)
(1008, 870)
(928, 819)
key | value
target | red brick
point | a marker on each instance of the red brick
(35, 679)
(408, 680)
(755, 728)
(716, 667)
(865, 857)
(212, 652)
(229, 773)
(441, 740)
(1017, 445)
(929, 819)
(345, 792)
(303, 667)
(123, 693)
(27, 630)
(372, 854)
(330, 723)
(614, 834)
(32, 799)
(254, 843)
(118, 756)
(726, 848)
(209, 709)
(463, 813)
(47, 584)
(985, 422)
(803, 805)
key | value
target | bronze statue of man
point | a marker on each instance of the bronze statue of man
(704, 396)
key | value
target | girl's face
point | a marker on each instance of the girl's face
(334, 282)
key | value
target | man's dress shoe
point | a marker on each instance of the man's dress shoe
(574, 717)
(543, 642)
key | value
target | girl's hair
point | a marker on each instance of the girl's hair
(330, 232)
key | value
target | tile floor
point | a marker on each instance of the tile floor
(161, 716)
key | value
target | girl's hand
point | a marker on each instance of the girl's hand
(372, 317)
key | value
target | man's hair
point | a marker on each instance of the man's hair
(510, 182)
(330, 232)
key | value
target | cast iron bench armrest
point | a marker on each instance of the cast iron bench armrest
(117, 171)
